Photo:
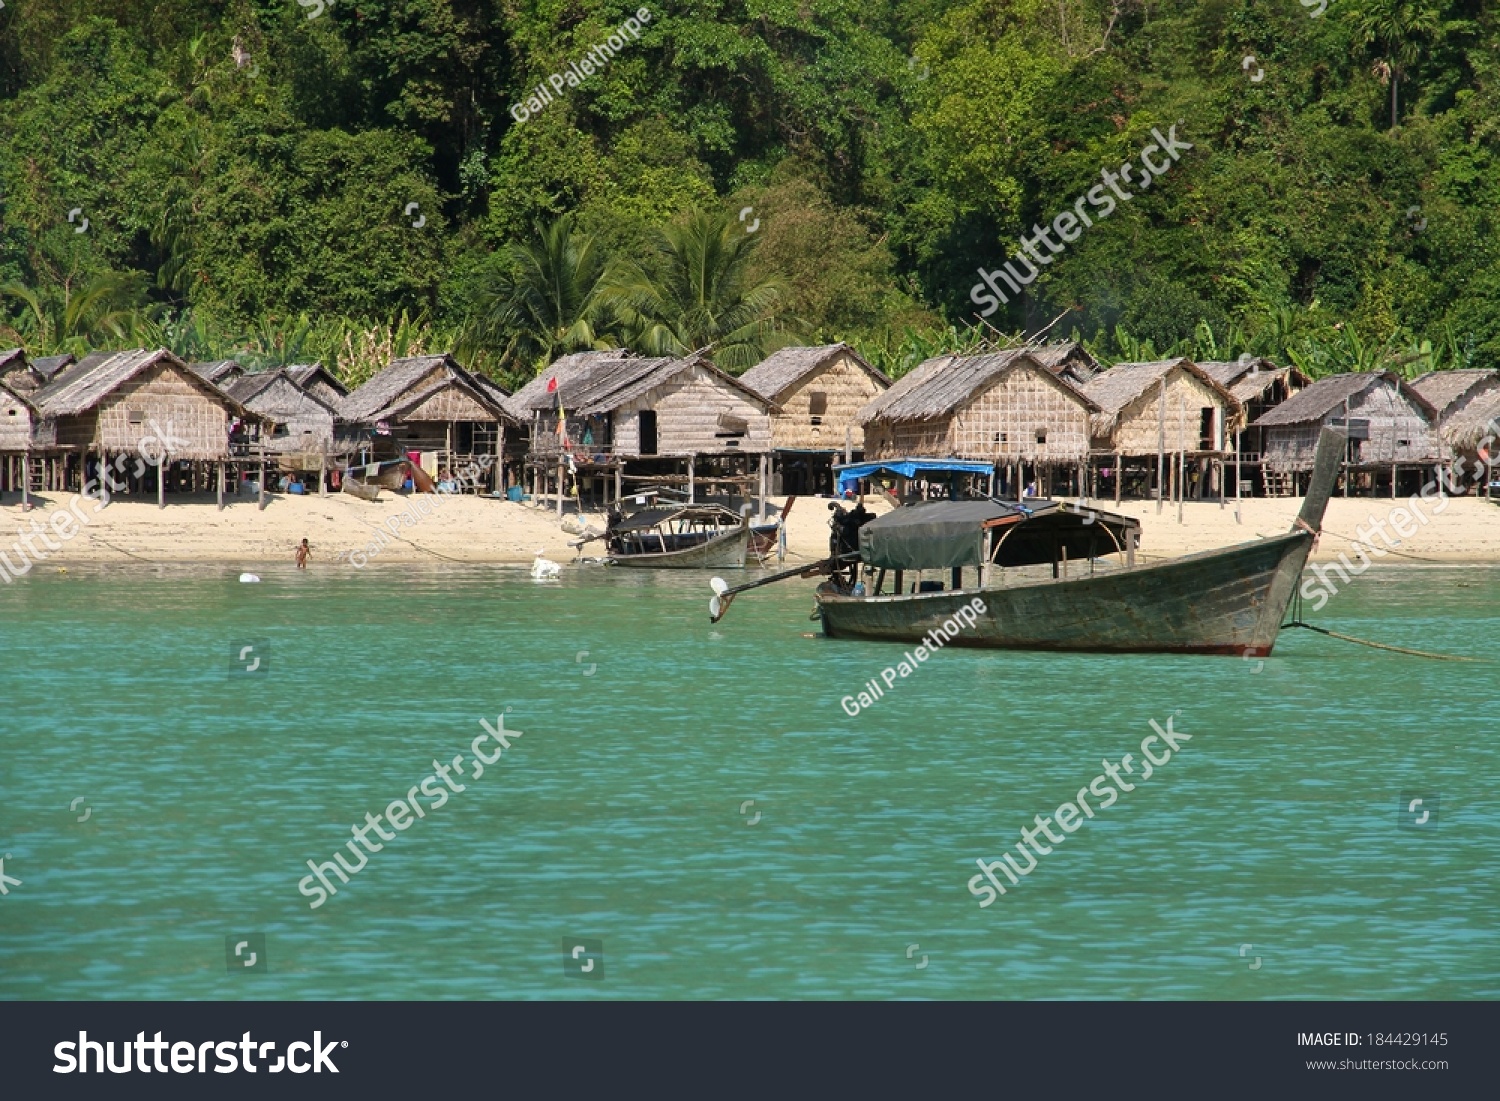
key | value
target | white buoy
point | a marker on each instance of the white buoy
(718, 585)
(544, 569)
(249, 579)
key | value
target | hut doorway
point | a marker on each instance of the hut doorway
(648, 431)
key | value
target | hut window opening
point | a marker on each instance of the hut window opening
(134, 417)
(1000, 437)
(817, 404)
(1207, 430)
(647, 423)
(1041, 436)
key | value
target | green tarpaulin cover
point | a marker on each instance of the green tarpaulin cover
(932, 535)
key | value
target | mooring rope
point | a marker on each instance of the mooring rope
(1388, 550)
(1378, 645)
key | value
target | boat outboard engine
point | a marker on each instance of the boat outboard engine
(844, 537)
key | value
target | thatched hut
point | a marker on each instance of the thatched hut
(18, 419)
(1390, 426)
(436, 409)
(1471, 436)
(1003, 407)
(48, 366)
(1455, 395)
(820, 392)
(1260, 385)
(147, 405)
(1149, 411)
(671, 421)
(300, 427)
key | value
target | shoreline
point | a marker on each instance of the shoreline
(480, 531)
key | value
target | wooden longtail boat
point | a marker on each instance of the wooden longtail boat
(684, 537)
(355, 488)
(1229, 601)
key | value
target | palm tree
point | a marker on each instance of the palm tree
(1395, 28)
(545, 298)
(101, 309)
(694, 290)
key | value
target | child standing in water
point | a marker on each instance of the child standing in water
(302, 555)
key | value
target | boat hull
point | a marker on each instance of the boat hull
(722, 552)
(1219, 602)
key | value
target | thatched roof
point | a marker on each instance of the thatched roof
(400, 385)
(49, 366)
(598, 382)
(247, 388)
(83, 386)
(1249, 378)
(21, 397)
(1068, 359)
(1469, 427)
(568, 370)
(1123, 383)
(304, 374)
(942, 385)
(1444, 389)
(1310, 406)
(13, 357)
(218, 372)
(781, 371)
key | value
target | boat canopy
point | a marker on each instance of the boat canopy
(648, 518)
(907, 468)
(931, 535)
(934, 535)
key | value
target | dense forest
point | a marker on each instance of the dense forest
(347, 180)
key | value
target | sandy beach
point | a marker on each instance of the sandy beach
(475, 530)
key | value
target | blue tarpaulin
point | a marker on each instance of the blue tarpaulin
(907, 468)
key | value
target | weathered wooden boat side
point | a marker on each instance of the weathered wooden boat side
(1227, 601)
(355, 488)
(727, 551)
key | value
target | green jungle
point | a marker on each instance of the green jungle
(350, 181)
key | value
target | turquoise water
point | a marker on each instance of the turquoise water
(619, 815)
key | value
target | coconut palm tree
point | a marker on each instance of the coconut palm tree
(694, 290)
(544, 298)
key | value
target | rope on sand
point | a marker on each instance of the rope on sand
(1388, 550)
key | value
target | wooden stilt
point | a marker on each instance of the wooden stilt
(1161, 440)
(260, 503)
(220, 466)
(1119, 478)
(691, 487)
(765, 469)
(161, 480)
(560, 481)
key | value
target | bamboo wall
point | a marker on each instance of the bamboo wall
(1399, 433)
(1137, 429)
(15, 424)
(197, 423)
(848, 388)
(908, 439)
(449, 405)
(1003, 422)
(687, 407)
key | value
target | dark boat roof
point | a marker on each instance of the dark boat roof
(933, 535)
(651, 517)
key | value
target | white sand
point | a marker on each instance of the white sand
(468, 529)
